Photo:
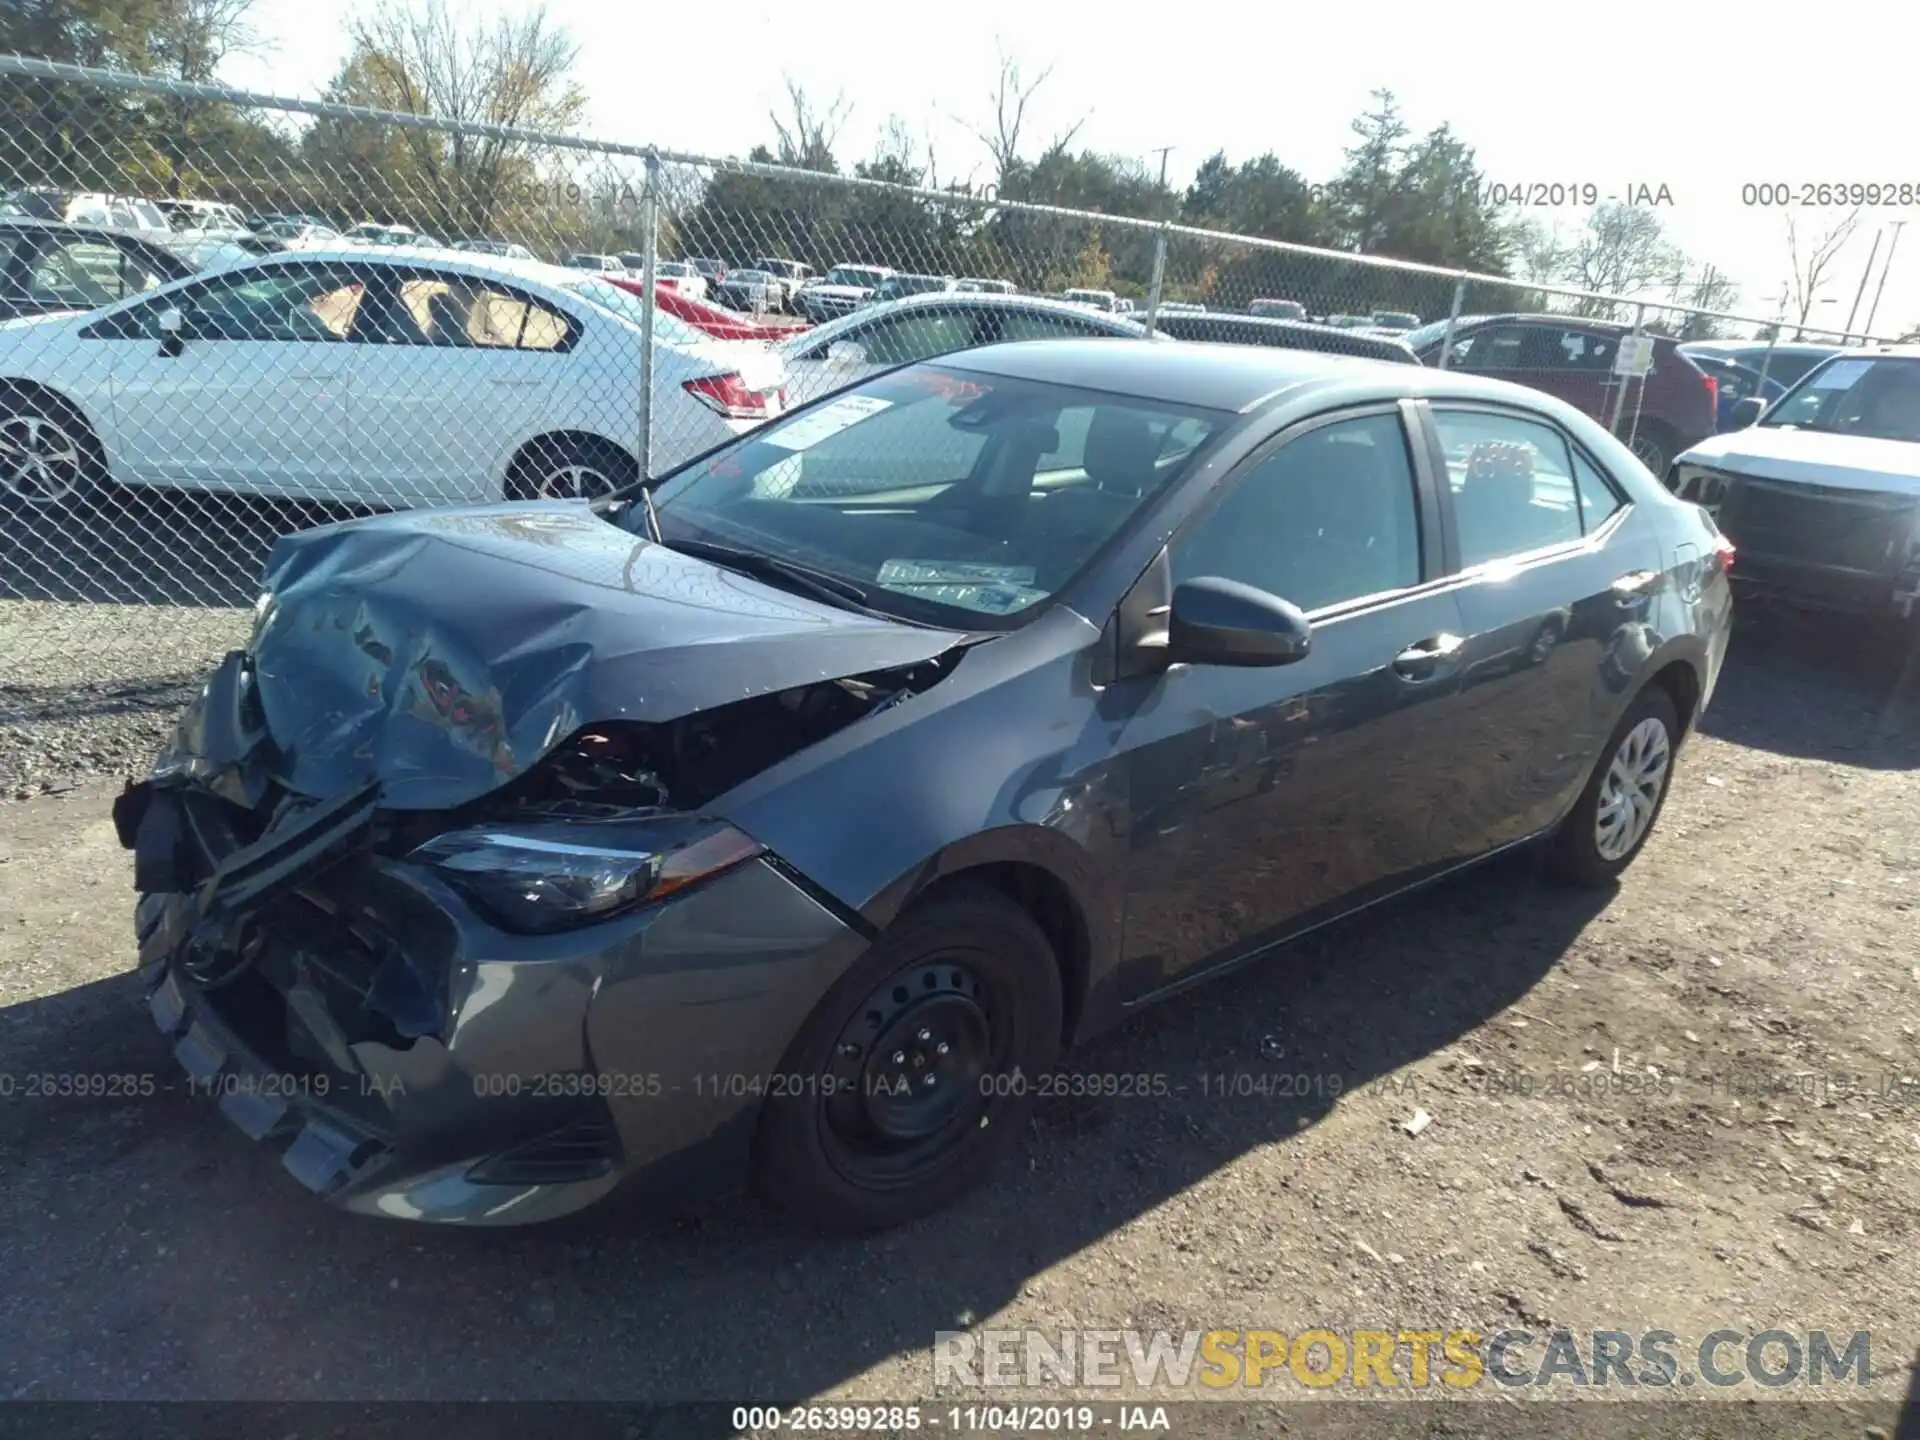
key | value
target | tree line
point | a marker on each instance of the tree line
(1413, 197)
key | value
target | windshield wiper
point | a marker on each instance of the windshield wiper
(819, 583)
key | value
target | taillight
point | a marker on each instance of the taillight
(729, 395)
(1713, 396)
(1722, 558)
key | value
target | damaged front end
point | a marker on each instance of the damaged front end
(496, 1010)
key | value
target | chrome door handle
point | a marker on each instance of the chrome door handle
(1421, 661)
(1634, 585)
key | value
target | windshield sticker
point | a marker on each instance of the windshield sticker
(1840, 375)
(898, 573)
(827, 421)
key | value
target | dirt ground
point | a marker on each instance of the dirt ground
(1691, 1104)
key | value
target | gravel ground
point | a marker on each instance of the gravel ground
(1588, 1162)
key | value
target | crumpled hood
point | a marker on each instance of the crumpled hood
(1814, 457)
(444, 651)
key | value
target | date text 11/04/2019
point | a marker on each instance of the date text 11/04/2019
(1553, 194)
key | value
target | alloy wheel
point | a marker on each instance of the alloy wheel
(1631, 791)
(574, 482)
(40, 462)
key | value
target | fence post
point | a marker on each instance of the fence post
(650, 224)
(1453, 320)
(1159, 276)
(1620, 394)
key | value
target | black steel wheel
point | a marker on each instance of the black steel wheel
(918, 1067)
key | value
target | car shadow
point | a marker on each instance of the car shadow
(135, 545)
(1820, 687)
(732, 1300)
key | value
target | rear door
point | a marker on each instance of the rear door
(458, 371)
(1264, 799)
(1558, 575)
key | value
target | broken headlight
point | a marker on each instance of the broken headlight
(539, 877)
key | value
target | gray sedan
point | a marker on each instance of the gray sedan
(787, 816)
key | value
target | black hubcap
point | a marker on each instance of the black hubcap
(907, 1070)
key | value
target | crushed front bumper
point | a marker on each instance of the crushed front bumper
(407, 1059)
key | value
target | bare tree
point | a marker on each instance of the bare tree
(1812, 262)
(190, 39)
(1011, 96)
(807, 132)
(1621, 250)
(513, 71)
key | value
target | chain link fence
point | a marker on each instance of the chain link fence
(357, 329)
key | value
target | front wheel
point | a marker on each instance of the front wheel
(1615, 813)
(918, 1068)
(1654, 452)
(49, 458)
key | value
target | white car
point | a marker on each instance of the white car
(677, 275)
(1092, 299)
(919, 327)
(842, 291)
(371, 377)
(371, 233)
(1820, 494)
(202, 215)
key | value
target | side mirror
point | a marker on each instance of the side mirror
(173, 330)
(1222, 622)
(846, 352)
(1746, 411)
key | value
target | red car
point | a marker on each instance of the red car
(1573, 358)
(715, 320)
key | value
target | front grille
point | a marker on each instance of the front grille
(1818, 525)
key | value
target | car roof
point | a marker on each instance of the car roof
(474, 261)
(1275, 325)
(986, 300)
(1242, 378)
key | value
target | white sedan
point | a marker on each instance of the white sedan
(386, 378)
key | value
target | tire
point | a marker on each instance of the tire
(50, 459)
(569, 467)
(1580, 854)
(1655, 450)
(963, 990)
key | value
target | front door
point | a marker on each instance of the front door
(255, 397)
(1264, 799)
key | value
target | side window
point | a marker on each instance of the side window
(463, 312)
(918, 336)
(1497, 347)
(1512, 483)
(1598, 498)
(1552, 348)
(1329, 516)
(81, 273)
(279, 304)
(9, 247)
(1035, 325)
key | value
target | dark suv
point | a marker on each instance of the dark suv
(1573, 359)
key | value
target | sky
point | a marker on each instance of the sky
(1701, 100)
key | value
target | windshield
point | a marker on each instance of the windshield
(852, 275)
(1396, 320)
(1878, 398)
(951, 498)
(628, 306)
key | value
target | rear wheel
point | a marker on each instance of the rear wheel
(917, 1069)
(1616, 812)
(569, 467)
(1654, 450)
